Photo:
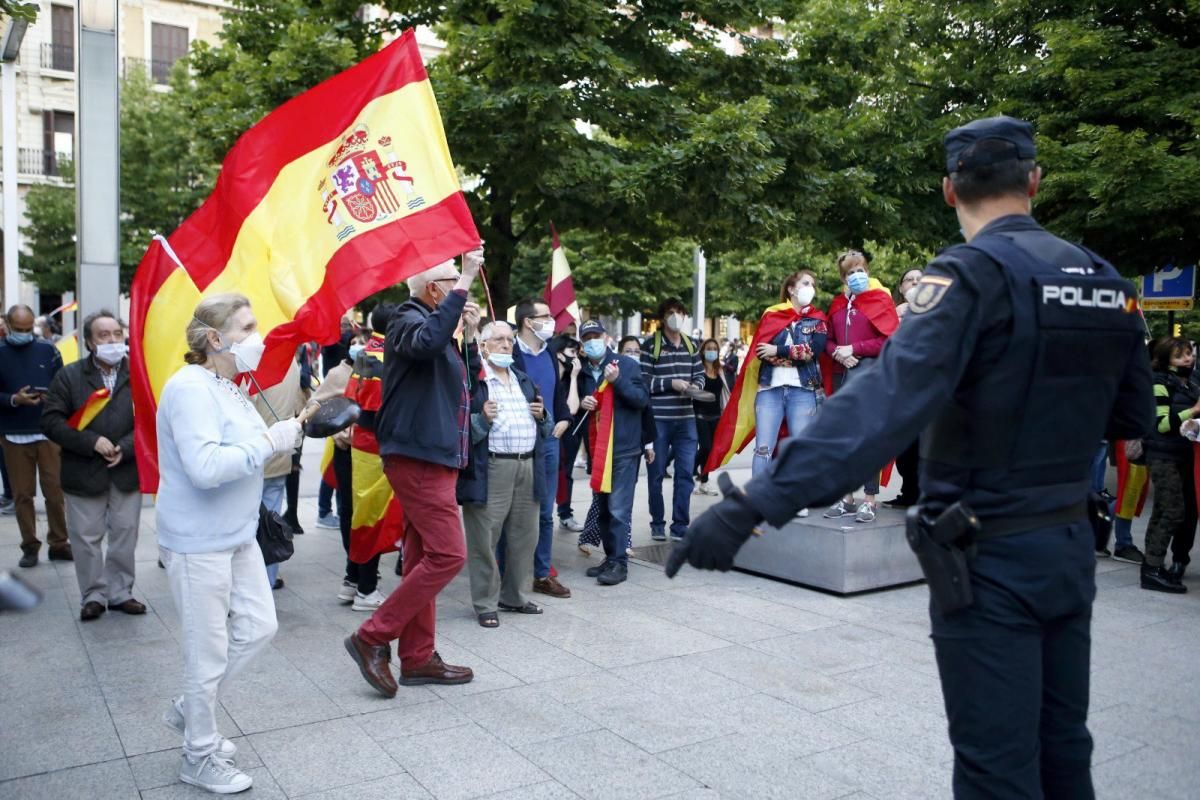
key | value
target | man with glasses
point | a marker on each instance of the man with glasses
(535, 328)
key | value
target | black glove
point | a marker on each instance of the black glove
(716, 535)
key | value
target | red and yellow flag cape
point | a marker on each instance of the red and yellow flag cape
(377, 521)
(876, 303)
(1133, 481)
(337, 194)
(601, 432)
(90, 409)
(736, 427)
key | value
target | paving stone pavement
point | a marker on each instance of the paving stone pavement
(709, 686)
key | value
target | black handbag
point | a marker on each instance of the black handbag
(274, 536)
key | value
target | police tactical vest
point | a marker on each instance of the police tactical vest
(1038, 415)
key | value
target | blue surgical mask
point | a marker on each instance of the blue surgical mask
(594, 349)
(355, 349)
(501, 360)
(711, 355)
(858, 282)
(19, 338)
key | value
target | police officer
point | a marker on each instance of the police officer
(1020, 351)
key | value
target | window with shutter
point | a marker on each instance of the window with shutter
(62, 38)
(168, 44)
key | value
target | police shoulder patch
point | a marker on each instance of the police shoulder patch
(928, 292)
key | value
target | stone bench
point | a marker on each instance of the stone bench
(838, 555)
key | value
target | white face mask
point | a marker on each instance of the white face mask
(248, 352)
(675, 321)
(804, 294)
(110, 353)
(544, 330)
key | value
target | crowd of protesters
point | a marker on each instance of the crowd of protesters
(468, 445)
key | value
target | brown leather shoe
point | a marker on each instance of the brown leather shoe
(61, 553)
(435, 671)
(550, 586)
(130, 606)
(373, 662)
(91, 610)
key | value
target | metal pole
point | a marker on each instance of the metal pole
(12, 240)
(700, 278)
(97, 166)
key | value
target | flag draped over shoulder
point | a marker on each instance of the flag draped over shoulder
(337, 194)
(377, 520)
(90, 409)
(736, 427)
(560, 290)
(601, 432)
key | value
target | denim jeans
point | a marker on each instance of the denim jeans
(676, 438)
(771, 407)
(324, 500)
(227, 618)
(545, 542)
(273, 491)
(1100, 468)
(616, 508)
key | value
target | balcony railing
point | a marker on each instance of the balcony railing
(159, 71)
(58, 56)
(32, 161)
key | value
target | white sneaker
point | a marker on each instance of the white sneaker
(214, 774)
(571, 525)
(367, 602)
(173, 719)
(347, 592)
(803, 513)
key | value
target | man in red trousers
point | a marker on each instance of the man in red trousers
(423, 431)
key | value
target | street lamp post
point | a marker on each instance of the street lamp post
(11, 46)
(98, 159)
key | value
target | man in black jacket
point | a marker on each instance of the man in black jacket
(27, 365)
(88, 412)
(423, 432)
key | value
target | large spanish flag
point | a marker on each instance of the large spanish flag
(560, 290)
(339, 193)
(601, 433)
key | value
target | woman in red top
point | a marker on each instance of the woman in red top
(861, 318)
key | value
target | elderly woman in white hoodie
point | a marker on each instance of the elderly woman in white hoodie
(211, 449)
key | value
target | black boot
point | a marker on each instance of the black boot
(1157, 579)
(1175, 571)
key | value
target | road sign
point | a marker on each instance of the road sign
(1171, 288)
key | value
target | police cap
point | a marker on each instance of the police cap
(961, 153)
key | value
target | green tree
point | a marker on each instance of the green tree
(49, 238)
(164, 176)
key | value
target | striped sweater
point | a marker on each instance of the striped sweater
(1174, 397)
(663, 362)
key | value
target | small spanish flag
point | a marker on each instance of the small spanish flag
(90, 409)
(1133, 481)
(327, 475)
(601, 432)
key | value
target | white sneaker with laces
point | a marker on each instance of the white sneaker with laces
(214, 774)
(367, 602)
(347, 592)
(866, 513)
(570, 524)
(173, 719)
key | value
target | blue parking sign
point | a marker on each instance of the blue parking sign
(1171, 288)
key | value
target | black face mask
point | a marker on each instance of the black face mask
(1183, 372)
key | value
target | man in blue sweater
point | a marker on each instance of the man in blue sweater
(535, 328)
(27, 365)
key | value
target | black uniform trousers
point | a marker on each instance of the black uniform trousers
(1015, 667)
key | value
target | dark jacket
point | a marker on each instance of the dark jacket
(1174, 398)
(473, 479)
(84, 471)
(424, 384)
(35, 365)
(631, 399)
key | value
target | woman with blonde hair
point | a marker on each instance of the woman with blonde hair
(212, 445)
